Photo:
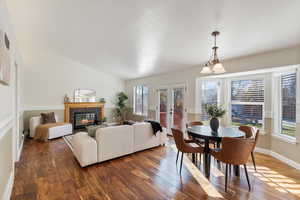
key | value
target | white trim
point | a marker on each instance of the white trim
(5, 125)
(278, 157)
(20, 150)
(285, 138)
(9, 187)
(51, 107)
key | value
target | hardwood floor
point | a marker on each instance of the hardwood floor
(49, 171)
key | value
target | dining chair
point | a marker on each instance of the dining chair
(185, 146)
(248, 130)
(235, 151)
(195, 123)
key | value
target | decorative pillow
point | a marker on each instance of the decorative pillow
(92, 129)
(48, 118)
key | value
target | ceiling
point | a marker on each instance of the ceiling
(137, 38)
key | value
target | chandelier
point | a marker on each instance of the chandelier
(213, 65)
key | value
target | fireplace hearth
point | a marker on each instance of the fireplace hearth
(82, 114)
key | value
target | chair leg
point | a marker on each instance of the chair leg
(246, 172)
(253, 160)
(226, 177)
(177, 156)
(181, 162)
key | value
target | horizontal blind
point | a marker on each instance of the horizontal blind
(288, 104)
(247, 102)
(247, 90)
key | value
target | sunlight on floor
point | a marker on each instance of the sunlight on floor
(201, 179)
(278, 181)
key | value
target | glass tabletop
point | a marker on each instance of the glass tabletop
(205, 131)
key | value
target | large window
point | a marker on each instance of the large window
(209, 96)
(247, 102)
(140, 100)
(288, 104)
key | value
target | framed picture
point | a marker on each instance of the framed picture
(4, 59)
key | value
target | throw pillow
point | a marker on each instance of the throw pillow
(92, 129)
(48, 118)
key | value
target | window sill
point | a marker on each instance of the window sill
(284, 138)
(140, 115)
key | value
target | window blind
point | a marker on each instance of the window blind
(288, 104)
(247, 101)
(140, 100)
(247, 90)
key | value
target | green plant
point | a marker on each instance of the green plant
(214, 111)
(104, 119)
(120, 104)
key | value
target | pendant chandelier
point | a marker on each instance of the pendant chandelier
(213, 65)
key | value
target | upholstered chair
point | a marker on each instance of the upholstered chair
(185, 146)
(235, 151)
(249, 134)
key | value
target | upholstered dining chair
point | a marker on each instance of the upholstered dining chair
(235, 151)
(248, 130)
(185, 146)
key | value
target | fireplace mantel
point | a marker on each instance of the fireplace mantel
(70, 105)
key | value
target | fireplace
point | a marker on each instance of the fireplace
(83, 119)
(82, 114)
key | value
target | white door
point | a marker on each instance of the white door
(171, 110)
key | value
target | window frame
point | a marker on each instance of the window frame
(202, 80)
(144, 112)
(278, 133)
(253, 77)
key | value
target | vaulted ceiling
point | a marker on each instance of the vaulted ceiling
(136, 38)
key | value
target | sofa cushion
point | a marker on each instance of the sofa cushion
(114, 142)
(144, 137)
(92, 129)
(48, 118)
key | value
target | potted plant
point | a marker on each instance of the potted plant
(214, 112)
(121, 108)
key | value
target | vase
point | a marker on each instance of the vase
(214, 124)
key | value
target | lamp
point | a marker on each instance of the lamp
(217, 66)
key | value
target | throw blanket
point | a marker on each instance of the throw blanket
(155, 126)
(42, 131)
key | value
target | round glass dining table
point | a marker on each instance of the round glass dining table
(205, 133)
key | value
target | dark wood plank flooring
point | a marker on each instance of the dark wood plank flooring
(49, 171)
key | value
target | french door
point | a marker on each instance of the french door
(171, 107)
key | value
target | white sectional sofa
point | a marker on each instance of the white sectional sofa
(115, 141)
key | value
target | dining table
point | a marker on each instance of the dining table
(205, 133)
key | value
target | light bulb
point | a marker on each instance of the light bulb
(218, 68)
(206, 70)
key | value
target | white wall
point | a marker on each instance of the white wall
(8, 110)
(277, 58)
(47, 77)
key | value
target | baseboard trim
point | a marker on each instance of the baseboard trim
(20, 150)
(9, 187)
(279, 157)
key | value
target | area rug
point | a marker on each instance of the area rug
(68, 140)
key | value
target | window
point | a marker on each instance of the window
(288, 104)
(140, 100)
(209, 96)
(247, 102)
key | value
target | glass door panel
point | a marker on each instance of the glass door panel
(177, 109)
(163, 107)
